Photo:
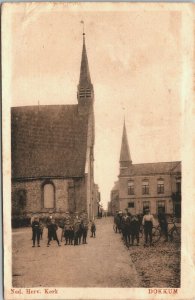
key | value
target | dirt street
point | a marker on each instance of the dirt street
(103, 262)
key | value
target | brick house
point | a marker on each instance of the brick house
(52, 154)
(148, 185)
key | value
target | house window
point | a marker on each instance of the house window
(161, 206)
(146, 205)
(145, 187)
(130, 187)
(48, 195)
(131, 205)
(160, 186)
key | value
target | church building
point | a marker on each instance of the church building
(52, 150)
(153, 186)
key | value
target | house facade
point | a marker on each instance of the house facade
(154, 186)
(52, 150)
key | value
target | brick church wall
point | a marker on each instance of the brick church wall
(69, 195)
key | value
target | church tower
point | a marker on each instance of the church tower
(85, 97)
(85, 93)
(125, 158)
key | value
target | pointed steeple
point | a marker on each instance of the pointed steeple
(85, 92)
(85, 79)
(125, 158)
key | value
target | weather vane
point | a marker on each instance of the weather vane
(82, 22)
(123, 108)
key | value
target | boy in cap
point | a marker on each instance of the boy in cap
(93, 228)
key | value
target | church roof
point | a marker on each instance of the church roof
(125, 153)
(155, 168)
(48, 141)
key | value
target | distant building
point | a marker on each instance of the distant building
(114, 199)
(109, 208)
(53, 154)
(154, 186)
(96, 200)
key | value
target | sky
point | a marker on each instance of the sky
(135, 62)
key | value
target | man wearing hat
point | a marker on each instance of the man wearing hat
(148, 222)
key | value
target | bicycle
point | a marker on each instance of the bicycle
(174, 233)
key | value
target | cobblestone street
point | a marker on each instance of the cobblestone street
(103, 262)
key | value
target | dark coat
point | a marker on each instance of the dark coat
(36, 226)
(135, 226)
(93, 227)
(52, 228)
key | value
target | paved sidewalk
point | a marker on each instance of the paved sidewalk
(103, 262)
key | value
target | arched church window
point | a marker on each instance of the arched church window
(48, 195)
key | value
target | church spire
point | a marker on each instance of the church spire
(85, 80)
(85, 92)
(125, 158)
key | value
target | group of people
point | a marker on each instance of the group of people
(74, 229)
(131, 225)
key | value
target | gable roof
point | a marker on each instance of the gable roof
(155, 168)
(48, 141)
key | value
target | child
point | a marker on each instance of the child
(41, 230)
(93, 229)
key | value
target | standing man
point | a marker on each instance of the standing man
(85, 227)
(76, 227)
(125, 228)
(66, 227)
(36, 232)
(162, 219)
(135, 229)
(67, 232)
(148, 222)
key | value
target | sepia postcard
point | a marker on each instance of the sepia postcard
(98, 127)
